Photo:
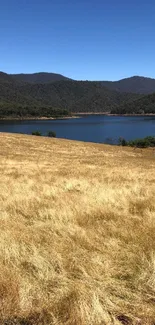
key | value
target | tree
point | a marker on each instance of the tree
(36, 133)
(122, 142)
(51, 134)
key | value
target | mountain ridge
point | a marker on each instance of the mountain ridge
(39, 77)
(21, 98)
(76, 96)
(142, 105)
(134, 84)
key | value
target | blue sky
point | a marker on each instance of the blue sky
(82, 39)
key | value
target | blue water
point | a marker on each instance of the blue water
(93, 128)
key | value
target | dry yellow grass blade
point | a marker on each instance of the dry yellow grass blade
(77, 233)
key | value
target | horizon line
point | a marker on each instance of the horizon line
(95, 80)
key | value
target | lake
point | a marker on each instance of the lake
(93, 128)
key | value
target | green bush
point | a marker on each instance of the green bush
(138, 143)
(151, 141)
(122, 142)
(36, 133)
(51, 134)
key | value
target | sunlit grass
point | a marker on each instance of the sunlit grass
(77, 233)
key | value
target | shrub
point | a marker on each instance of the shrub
(151, 141)
(51, 134)
(36, 133)
(138, 143)
(123, 142)
(143, 143)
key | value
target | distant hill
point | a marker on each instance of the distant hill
(74, 96)
(136, 84)
(4, 77)
(144, 105)
(40, 94)
(41, 77)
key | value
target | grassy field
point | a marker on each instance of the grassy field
(77, 233)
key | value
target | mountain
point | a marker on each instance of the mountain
(144, 105)
(40, 94)
(136, 84)
(4, 77)
(77, 96)
(41, 77)
(23, 99)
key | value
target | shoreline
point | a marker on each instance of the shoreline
(152, 114)
(74, 116)
(110, 114)
(44, 118)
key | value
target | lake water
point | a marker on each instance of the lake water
(93, 128)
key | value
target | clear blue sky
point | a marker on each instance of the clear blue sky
(82, 39)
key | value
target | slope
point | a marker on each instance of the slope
(4, 77)
(77, 227)
(144, 105)
(75, 96)
(136, 84)
(40, 77)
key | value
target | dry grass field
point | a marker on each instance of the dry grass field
(77, 233)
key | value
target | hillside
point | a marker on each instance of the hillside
(23, 99)
(77, 96)
(16, 103)
(4, 77)
(144, 105)
(136, 84)
(77, 229)
(41, 77)
(35, 95)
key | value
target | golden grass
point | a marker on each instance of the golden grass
(77, 233)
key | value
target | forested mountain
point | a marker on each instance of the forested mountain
(136, 84)
(77, 96)
(74, 96)
(41, 77)
(40, 97)
(4, 77)
(144, 105)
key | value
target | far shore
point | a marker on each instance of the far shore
(110, 114)
(26, 118)
(74, 116)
